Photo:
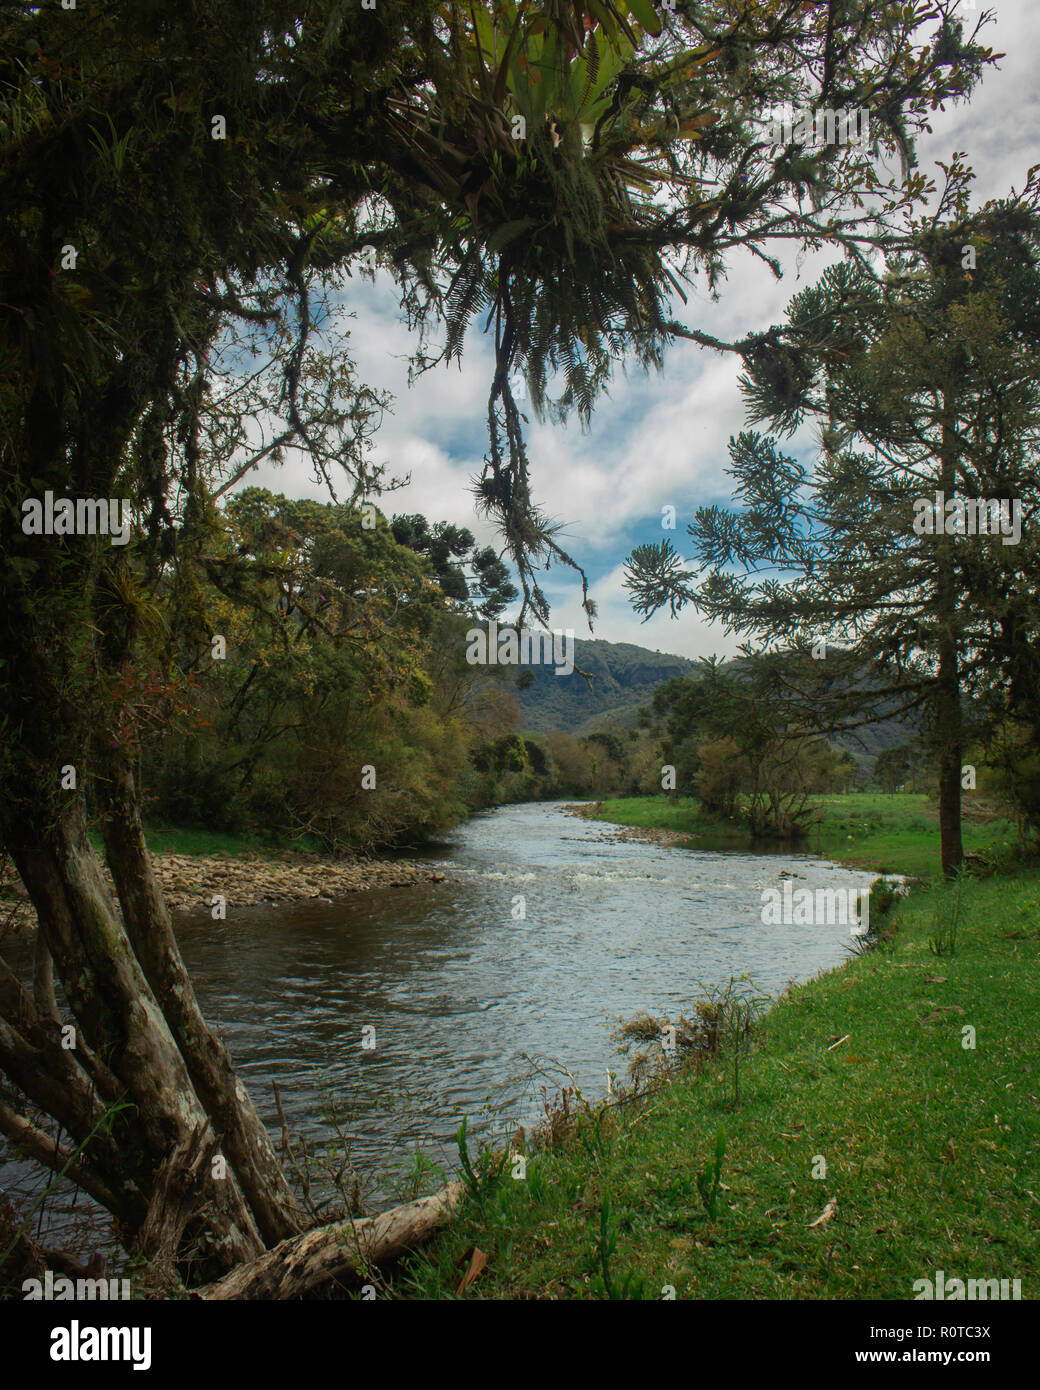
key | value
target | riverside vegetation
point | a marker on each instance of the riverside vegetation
(689, 1187)
(892, 834)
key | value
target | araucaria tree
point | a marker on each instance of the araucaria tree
(906, 555)
(173, 176)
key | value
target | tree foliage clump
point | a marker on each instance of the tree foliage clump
(740, 743)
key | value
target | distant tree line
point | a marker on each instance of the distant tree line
(733, 745)
(334, 703)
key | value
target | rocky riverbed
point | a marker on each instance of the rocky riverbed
(191, 882)
(657, 834)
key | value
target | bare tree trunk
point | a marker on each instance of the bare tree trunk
(951, 744)
(948, 733)
(115, 1009)
(244, 1140)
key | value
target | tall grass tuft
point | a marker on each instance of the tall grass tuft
(943, 940)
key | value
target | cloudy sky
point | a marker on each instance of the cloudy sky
(655, 440)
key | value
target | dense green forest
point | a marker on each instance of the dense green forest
(335, 705)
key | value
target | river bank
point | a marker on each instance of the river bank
(876, 831)
(658, 834)
(191, 881)
(886, 1126)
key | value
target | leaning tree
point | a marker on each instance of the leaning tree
(175, 175)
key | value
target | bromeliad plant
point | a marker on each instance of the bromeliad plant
(595, 155)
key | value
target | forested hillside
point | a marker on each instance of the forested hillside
(623, 680)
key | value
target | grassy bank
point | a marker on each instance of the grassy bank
(221, 844)
(932, 1149)
(173, 840)
(866, 830)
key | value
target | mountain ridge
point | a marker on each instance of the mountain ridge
(625, 678)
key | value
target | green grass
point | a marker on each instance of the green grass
(219, 843)
(683, 815)
(865, 830)
(900, 833)
(932, 1149)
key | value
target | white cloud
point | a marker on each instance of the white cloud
(686, 635)
(654, 440)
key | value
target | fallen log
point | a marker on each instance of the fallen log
(300, 1263)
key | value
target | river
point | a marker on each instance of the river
(461, 990)
(400, 1010)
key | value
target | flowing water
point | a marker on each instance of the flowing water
(546, 932)
(549, 930)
